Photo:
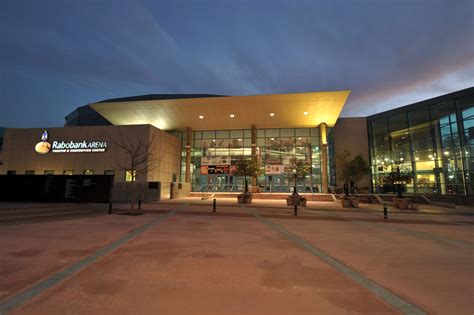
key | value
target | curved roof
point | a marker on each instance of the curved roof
(179, 113)
(151, 97)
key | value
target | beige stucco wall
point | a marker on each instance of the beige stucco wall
(18, 152)
(351, 134)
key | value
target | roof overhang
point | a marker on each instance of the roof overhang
(288, 109)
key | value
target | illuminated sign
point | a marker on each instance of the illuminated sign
(70, 146)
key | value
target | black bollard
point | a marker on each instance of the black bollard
(110, 208)
(296, 210)
(139, 203)
(214, 205)
(385, 214)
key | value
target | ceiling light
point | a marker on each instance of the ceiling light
(272, 114)
(272, 139)
(201, 117)
(240, 139)
(305, 113)
(231, 115)
(299, 138)
(213, 140)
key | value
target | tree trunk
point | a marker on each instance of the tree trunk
(400, 190)
(294, 188)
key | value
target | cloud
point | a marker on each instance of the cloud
(386, 52)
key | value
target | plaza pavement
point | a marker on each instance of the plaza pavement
(181, 258)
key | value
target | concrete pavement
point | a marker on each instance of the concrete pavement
(230, 262)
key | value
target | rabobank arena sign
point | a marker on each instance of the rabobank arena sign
(69, 146)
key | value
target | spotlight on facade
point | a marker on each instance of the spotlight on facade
(231, 115)
(201, 117)
(272, 114)
(305, 113)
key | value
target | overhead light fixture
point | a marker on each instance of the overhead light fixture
(231, 115)
(201, 117)
(299, 138)
(240, 139)
(272, 114)
(213, 140)
(272, 139)
(305, 113)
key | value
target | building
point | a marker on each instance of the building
(432, 139)
(197, 140)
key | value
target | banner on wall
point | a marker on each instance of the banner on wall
(274, 169)
(214, 169)
(215, 160)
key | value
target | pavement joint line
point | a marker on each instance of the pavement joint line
(458, 243)
(22, 297)
(386, 295)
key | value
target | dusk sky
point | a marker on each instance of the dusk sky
(56, 55)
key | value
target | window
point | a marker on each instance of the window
(11, 172)
(68, 172)
(109, 172)
(29, 172)
(88, 172)
(49, 172)
(130, 175)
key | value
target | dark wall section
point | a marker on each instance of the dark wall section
(56, 188)
(85, 116)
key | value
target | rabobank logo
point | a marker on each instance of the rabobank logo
(43, 147)
(69, 146)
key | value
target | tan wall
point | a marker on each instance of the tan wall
(351, 134)
(19, 154)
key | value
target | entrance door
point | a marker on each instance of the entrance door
(277, 183)
(219, 182)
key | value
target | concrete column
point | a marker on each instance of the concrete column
(254, 154)
(324, 158)
(187, 175)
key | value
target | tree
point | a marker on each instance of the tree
(350, 171)
(247, 167)
(139, 159)
(398, 176)
(297, 169)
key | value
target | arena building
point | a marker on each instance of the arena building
(192, 142)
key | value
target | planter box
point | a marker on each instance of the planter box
(413, 206)
(244, 198)
(291, 201)
(346, 203)
(355, 202)
(401, 203)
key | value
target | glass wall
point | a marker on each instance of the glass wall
(434, 140)
(214, 154)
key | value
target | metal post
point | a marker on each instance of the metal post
(214, 205)
(110, 208)
(385, 214)
(139, 203)
(296, 209)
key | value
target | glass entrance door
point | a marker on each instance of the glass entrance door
(277, 183)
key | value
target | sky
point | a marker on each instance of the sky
(57, 55)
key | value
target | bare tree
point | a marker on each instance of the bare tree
(140, 158)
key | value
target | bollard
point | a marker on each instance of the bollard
(296, 210)
(214, 205)
(385, 214)
(139, 203)
(110, 208)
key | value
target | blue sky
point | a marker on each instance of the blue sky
(56, 55)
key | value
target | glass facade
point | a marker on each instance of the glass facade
(215, 152)
(433, 139)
